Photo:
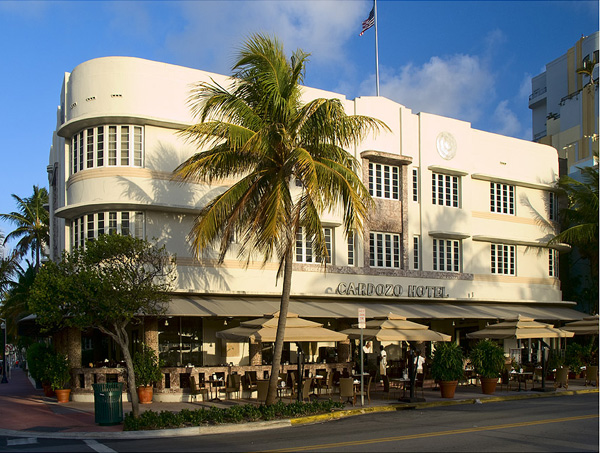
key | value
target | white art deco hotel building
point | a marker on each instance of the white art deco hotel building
(458, 237)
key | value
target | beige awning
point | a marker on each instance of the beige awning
(250, 307)
(520, 328)
(587, 326)
(296, 329)
(395, 328)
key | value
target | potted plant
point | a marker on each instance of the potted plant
(447, 367)
(573, 359)
(59, 375)
(488, 361)
(147, 368)
(37, 358)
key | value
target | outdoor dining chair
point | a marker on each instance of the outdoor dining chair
(591, 375)
(233, 385)
(263, 389)
(347, 390)
(196, 390)
(306, 389)
(562, 378)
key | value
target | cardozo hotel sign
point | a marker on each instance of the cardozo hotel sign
(389, 290)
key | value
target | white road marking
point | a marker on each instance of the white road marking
(21, 441)
(97, 446)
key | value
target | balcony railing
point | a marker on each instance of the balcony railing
(537, 93)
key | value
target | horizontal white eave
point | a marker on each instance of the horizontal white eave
(447, 170)
(448, 235)
(514, 182)
(513, 241)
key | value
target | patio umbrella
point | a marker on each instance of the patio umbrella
(296, 329)
(395, 328)
(520, 328)
(587, 326)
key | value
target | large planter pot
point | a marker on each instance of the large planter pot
(448, 388)
(145, 394)
(62, 395)
(488, 385)
(48, 390)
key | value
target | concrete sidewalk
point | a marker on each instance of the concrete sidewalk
(26, 412)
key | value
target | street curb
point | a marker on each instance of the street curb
(253, 426)
(399, 407)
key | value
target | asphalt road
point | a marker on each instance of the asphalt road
(561, 424)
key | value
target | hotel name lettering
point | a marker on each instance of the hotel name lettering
(385, 289)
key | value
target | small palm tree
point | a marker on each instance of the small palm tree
(32, 221)
(579, 219)
(259, 132)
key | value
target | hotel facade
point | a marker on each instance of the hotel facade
(457, 239)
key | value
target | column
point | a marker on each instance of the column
(255, 352)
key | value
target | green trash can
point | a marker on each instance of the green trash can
(108, 403)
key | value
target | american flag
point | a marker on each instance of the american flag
(369, 22)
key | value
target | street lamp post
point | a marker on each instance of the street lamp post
(4, 380)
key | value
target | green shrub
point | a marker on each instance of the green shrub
(149, 419)
(487, 359)
(447, 362)
(146, 367)
(37, 357)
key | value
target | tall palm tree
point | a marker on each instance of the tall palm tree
(260, 133)
(579, 219)
(32, 221)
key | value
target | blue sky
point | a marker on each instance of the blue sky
(471, 60)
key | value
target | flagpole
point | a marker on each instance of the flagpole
(376, 52)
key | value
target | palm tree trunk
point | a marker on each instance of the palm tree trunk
(283, 311)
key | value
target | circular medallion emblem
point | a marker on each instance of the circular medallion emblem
(446, 145)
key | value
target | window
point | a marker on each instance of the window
(415, 184)
(351, 250)
(91, 226)
(385, 250)
(384, 181)
(446, 255)
(552, 207)
(444, 190)
(502, 198)
(416, 252)
(552, 263)
(124, 147)
(503, 259)
(304, 247)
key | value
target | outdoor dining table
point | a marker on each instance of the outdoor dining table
(215, 384)
(401, 382)
(522, 377)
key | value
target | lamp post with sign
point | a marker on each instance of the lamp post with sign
(4, 327)
(361, 326)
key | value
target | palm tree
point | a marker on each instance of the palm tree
(579, 219)
(259, 132)
(32, 221)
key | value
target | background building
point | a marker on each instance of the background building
(457, 239)
(564, 107)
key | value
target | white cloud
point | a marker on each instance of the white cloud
(506, 121)
(458, 86)
(319, 27)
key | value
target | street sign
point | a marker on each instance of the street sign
(361, 318)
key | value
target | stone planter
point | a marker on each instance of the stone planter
(448, 388)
